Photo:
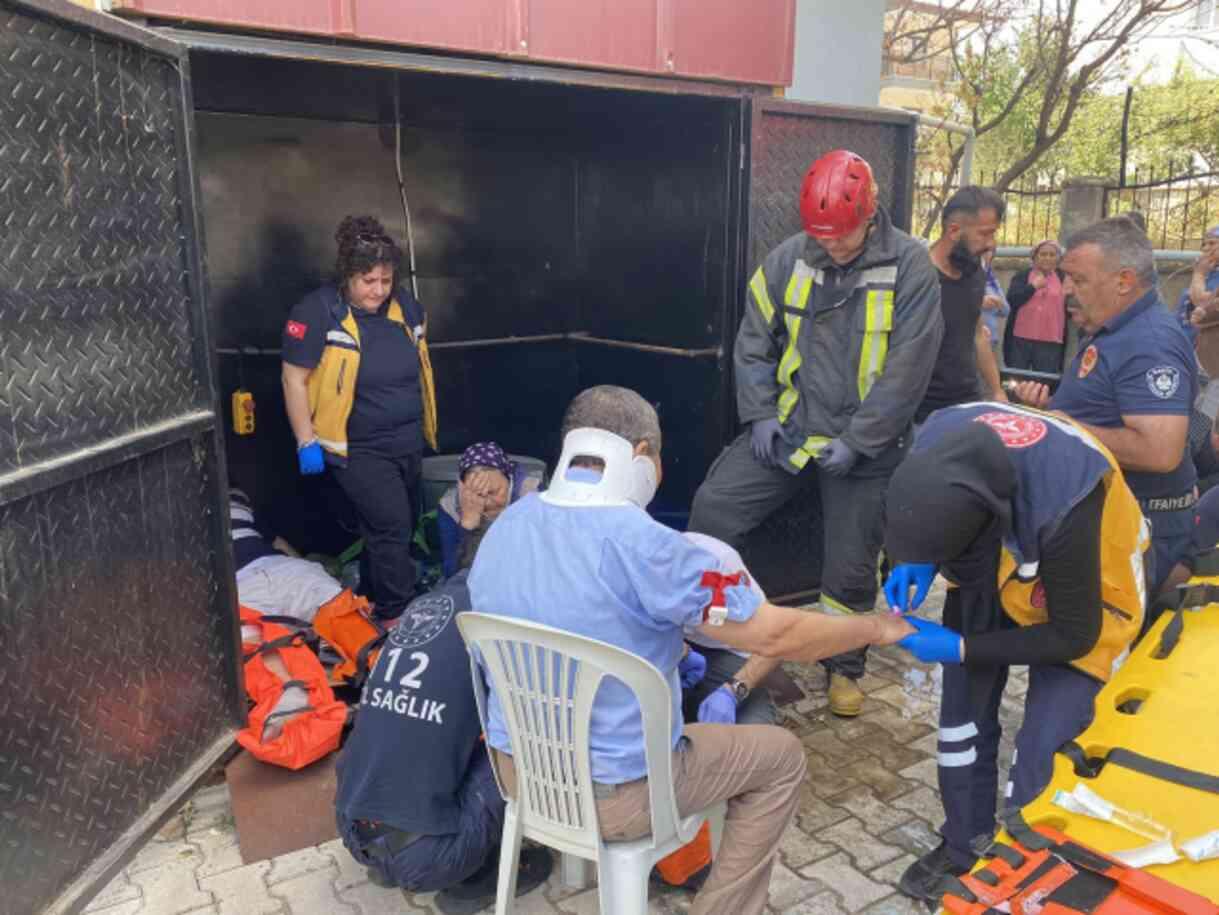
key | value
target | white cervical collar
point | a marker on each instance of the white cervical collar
(628, 479)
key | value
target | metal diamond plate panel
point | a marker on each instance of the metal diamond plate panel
(787, 137)
(118, 654)
(95, 334)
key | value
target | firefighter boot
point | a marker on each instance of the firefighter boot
(846, 698)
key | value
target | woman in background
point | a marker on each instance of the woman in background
(1037, 326)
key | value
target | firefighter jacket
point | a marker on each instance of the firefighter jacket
(1057, 465)
(839, 352)
(333, 381)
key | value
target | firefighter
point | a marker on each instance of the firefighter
(1030, 517)
(833, 355)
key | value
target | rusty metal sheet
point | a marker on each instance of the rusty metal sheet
(477, 26)
(308, 17)
(615, 34)
(119, 678)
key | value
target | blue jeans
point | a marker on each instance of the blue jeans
(433, 863)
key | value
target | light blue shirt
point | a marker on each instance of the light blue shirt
(993, 320)
(609, 573)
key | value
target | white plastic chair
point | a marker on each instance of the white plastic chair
(546, 680)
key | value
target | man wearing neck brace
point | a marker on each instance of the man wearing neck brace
(1031, 520)
(586, 558)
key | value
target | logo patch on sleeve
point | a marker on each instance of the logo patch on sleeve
(1015, 430)
(1163, 381)
(296, 330)
(1088, 362)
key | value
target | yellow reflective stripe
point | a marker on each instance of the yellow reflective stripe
(761, 296)
(837, 608)
(879, 317)
(811, 448)
(799, 287)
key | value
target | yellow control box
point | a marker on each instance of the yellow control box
(243, 412)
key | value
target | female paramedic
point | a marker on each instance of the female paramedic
(1031, 519)
(360, 398)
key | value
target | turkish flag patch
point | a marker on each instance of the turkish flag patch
(296, 330)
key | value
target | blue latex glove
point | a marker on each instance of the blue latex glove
(310, 459)
(837, 458)
(692, 669)
(718, 708)
(932, 644)
(762, 435)
(918, 575)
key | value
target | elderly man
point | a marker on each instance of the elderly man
(832, 356)
(1133, 381)
(585, 557)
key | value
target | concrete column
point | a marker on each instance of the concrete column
(1082, 202)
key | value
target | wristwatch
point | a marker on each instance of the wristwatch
(739, 689)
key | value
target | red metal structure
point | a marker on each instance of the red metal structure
(701, 39)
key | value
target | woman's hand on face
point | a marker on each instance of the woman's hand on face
(470, 504)
(1036, 279)
(493, 487)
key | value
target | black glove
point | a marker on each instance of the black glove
(762, 435)
(837, 458)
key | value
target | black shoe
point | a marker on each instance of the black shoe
(924, 878)
(478, 892)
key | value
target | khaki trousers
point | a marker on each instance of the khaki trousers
(757, 769)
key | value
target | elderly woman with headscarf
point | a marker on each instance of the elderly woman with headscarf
(1037, 325)
(1199, 302)
(1032, 520)
(488, 481)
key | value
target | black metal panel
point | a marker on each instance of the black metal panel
(787, 137)
(119, 674)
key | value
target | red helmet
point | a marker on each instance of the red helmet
(838, 196)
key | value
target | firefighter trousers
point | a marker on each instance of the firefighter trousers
(740, 493)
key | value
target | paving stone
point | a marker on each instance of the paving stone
(925, 772)
(877, 817)
(907, 705)
(368, 899)
(866, 851)
(903, 730)
(798, 848)
(815, 813)
(209, 809)
(787, 888)
(118, 891)
(218, 851)
(243, 891)
(923, 803)
(892, 872)
(853, 731)
(915, 837)
(893, 755)
(157, 854)
(871, 772)
(297, 863)
(134, 907)
(855, 890)
(897, 904)
(828, 746)
(351, 872)
(312, 893)
(171, 889)
(825, 903)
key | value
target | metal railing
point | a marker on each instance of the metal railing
(1177, 206)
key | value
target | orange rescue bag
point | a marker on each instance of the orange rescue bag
(346, 624)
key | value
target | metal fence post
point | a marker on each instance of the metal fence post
(1082, 203)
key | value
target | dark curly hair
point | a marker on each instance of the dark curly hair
(363, 244)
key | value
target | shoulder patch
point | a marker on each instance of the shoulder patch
(1163, 381)
(1088, 362)
(296, 330)
(1015, 430)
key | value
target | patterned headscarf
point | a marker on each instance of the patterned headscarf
(1041, 244)
(484, 454)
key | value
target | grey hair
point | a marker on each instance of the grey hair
(617, 410)
(1123, 245)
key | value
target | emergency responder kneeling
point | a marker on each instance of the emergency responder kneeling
(832, 358)
(1009, 504)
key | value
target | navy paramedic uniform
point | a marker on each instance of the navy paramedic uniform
(379, 463)
(416, 799)
(1071, 601)
(1141, 362)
